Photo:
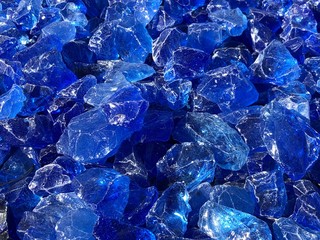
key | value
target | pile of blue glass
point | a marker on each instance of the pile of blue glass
(151, 119)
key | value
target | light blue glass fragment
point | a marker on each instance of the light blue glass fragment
(11, 102)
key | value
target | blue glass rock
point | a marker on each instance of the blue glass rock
(191, 163)
(222, 222)
(48, 69)
(186, 63)
(9, 47)
(229, 87)
(74, 14)
(311, 65)
(10, 73)
(260, 35)
(178, 8)
(313, 43)
(27, 13)
(297, 48)
(306, 211)
(65, 31)
(289, 138)
(205, 36)
(269, 191)
(47, 16)
(233, 197)
(118, 230)
(275, 65)
(232, 20)
(279, 7)
(104, 129)
(169, 214)
(11, 102)
(164, 46)
(105, 189)
(286, 228)
(50, 179)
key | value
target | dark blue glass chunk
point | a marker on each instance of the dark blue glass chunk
(275, 65)
(229, 87)
(10, 73)
(9, 47)
(222, 222)
(169, 214)
(269, 191)
(27, 13)
(178, 8)
(191, 163)
(105, 189)
(289, 138)
(229, 149)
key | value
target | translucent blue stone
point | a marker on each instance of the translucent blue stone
(9, 46)
(297, 48)
(311, 65)
(157, 126)
(50, 179)
(269, 191)
(47, 15)
(205, 36)
(77, 224)
(65, 31)
(105, 189)
(278, 8)
(215, 5)
(233, 197)
(186, 63)
(313, 43)
(286, 228)
(267, 18)
(11, 102)
(104, 129)
(222, 222)
(174, 95)
(275, 65)
(146, 10)
(229, 149)
(289, 138)
(10, 73)
(229, 87)
(299, 21)
(18, 165)
(73, 14)
(178, 8)
(71, 166)
(260, 35)
(198, 196)
(139, 203)
(169, 214)
(261, 161)
(191, 163)
(27, 13)
(48, 69)
(118, 230)
(307, 211)
(164, 46)
(232, 20)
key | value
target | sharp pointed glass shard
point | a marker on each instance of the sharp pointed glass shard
(164, 46)
(191, 163)
(229, 149)
(222, 222)
(286, 229)
(105, 189)
(11, 102)
(233, 197)
(169, 214)
(269, 191)
(229, 87)
(275, 65)
(233, 20)
(289, 138)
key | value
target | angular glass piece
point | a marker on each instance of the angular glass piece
(48, 69)
(286, 229)
(222, 222)
(73, 14)
(276, 7)
(65, 31)
(178, 8)
(104, 129)
(296, 103)
(198, 196)
(72, 167)
(27, 13)
(298, 21)
(311, 65)
(50, 179)
(229, 149)
(11, 102)
(230, 87)
(186, 63)
(313, 43)
(47, 15)
(297, 48)
(191, 163)
(164, 46)
(232, 20)
(267, 18)
(289, 138)
(260, 35)
(205, 36)
(275, 65)
(145, 10)
(233, 197)
(10, 73)
(307, 211)
(215, 5)
(157, 126)
(118, 230)
(169, 214)
(269, 191)
(261, 161)
(77, 224)
(8, 46)
(105, 189)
